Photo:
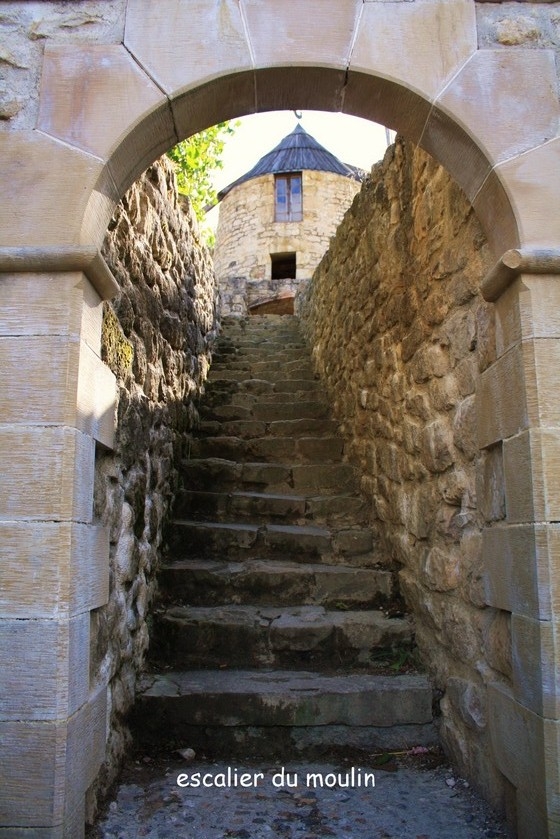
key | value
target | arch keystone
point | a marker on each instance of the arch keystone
(284, 32)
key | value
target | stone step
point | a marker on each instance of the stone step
(301, 368)
(280, 428)
(205, 582)
(270, 449)
(221, 372)
(306, 543)
(263, 342)
(274, 636)
(266, 411)
(260, 386)
(260, 507)
(297, 479)
(266, 394)
(264, 353)
(204, 538)
(283, 713)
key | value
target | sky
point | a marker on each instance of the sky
(353, 140)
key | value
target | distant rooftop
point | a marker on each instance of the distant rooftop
(296, 152)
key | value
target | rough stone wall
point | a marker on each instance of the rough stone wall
(157, 337)
(400, 336)
(247, 234)
(531, 25)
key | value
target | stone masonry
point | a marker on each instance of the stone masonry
(279, 616)
(91, 94)
(247, 235)
(401, 360)
(157, 337)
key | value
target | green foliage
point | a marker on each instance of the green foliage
(196, 159)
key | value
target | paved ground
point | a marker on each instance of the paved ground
(408, 798)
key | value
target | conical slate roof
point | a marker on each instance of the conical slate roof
(296, 152)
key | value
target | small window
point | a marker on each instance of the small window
(283, 266)
(287, 198)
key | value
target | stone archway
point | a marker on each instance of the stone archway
(108, 108)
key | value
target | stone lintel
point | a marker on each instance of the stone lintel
(61, 258)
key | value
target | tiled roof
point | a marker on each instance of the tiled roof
(296, 152)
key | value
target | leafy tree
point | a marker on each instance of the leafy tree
(195, 161)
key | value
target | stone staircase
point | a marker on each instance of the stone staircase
(278, 622)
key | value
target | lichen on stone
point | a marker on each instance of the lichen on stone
(116, 351)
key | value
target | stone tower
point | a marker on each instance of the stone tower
(276, 221)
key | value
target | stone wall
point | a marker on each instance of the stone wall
(534, 25)
(26, 27)
(247, 235)
(400, 336)
(157, 337)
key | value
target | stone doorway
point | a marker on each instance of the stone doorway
(111, 102)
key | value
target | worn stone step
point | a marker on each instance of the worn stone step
(247, 385)
(264, 387)
(270, 369)
(241, 713)
(263, 353)
(201, 582)
(266, 411)
(266, 394)
(275, 636)
(268, 372)
(232, 428)
(310, 479)
(203, 538)
(270, 449)
(265, 507)
(271, 412)
(265, 343)
(258, 428)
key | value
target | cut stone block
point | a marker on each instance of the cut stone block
(288, 698)
(54, 466)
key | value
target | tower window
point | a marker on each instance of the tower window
(283, 266)
(287, 198)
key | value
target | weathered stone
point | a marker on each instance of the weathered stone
(441, 570)
(247, 235)
(401, 362)
(515, 32)
(437, 447)
(470, 699)
(491, 485)
(291, 699)
(354, 541)
(158, 345)
(497, 642)
(464, 428)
